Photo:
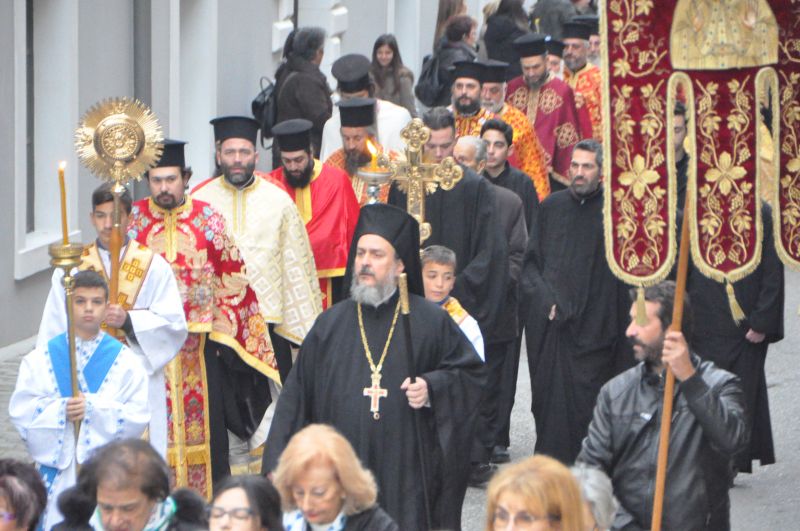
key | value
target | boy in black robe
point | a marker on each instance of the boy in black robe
(334, 378)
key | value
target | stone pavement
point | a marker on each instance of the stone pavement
(10, 357)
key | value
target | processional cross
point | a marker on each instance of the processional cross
(413, 176)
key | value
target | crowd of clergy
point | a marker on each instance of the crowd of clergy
(261, 366)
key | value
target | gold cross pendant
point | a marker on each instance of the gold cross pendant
(375, 392)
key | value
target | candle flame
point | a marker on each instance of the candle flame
(371, 148)
(62, 165)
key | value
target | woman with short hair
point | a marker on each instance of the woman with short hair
(538, 493)
(23, 496)
(599, 504)
(245, 503)
(323, 485)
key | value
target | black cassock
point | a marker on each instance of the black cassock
(718, 338)
(519, 183)
(572, 356)
(463, 219)
(327, 383)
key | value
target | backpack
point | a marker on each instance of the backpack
(265, 108)
(430, 86)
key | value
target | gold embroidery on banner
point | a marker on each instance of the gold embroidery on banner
(723, 195)
(638, 61)
(566, 135)
(549, 101)
(787, 193)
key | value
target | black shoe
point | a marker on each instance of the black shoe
(481, 474)
(500, 455)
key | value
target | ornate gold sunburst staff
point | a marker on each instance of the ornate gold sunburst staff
(118, 140)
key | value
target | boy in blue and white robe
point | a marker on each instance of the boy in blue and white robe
(113, 403)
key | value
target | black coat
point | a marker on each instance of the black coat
(708, 426)
(373, 519)
(501, 30)
(450, 53)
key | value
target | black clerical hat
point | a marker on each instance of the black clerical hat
(530, 44)
(470, 69)
(494, 71)
(172, 154)
(397, 227)
(590, 20)
(555, 47)
(352, 72)
(226, 127)
(576, 30)
(357, 112)
(293, 135)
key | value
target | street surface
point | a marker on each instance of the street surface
(767, 499)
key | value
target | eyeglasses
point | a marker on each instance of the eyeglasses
(6, 516)
(237, 513)
(521, 520)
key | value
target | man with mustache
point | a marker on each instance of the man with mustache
(357, 116)
(219, 379)
(353, 373)
(325, 199)
(466, 99)
(267, 228)
(709, 424)
(584, 78)
(549, 104)
(576, 308)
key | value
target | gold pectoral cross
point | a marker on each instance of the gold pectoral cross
(418, 179)
(375, 392)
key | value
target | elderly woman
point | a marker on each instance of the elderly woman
(599, 504)
(538, 493)
(245, 503)
(324, 486)
(22, 496)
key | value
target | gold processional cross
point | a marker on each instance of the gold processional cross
(418, 179)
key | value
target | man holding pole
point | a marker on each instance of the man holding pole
(353, 373)
(61, 427)
(708, 426)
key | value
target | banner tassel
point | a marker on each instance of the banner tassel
(641, 309)
(736, 311)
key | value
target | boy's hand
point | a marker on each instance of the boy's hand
(76, 408)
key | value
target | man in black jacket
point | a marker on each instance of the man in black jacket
(708, 427)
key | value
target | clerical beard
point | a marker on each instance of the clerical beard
(536, 83)
(238, 174)
(300, 179)
(574, 64)
(355, 159)
(492, 106)
(467, 106)
(373, 295)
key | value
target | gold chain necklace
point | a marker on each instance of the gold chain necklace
(375, 392)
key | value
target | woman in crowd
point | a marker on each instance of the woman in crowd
(447, 9)
(538, 493)
(599, 504)
(393, 81)
(324, 486)
(22, 496)
(506, 24)
(245, 503)
(458, 45)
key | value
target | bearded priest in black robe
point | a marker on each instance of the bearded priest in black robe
(577, 309)
(352, 373)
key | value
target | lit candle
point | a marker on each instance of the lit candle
(64, 230)
(374, 152)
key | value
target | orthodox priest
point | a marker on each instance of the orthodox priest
(325, 200)
(464, 220)
(268, 230)
(466, 99)
(584, 78)
(218, 380)
(527, 154)
(578, 310)
(357, 117)
(148, 313)
(361, 340)
(549, 104)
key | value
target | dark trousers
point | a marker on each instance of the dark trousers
(489, 418)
